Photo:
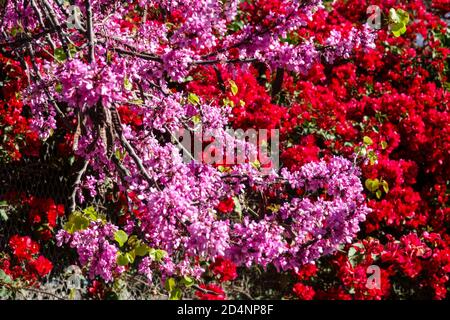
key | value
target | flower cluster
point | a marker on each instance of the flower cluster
(25, 262)
(95, 249)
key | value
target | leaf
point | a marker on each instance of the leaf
(223, 169)
(393, 15)
(196, 119)
(372, 184)
(133, 241)
(76, 222)
(403, 15)
(122, 260)
(127, 84)
(385, 186)
(384, 145)
(130, 256)
(141, 250)
(193, 98)
(170, 284)
(274, 207)
(256, 164)
(399, 19)
(157, 255)
(90, 213)
(234, 87)
(354, 255)
(4, 277)
(58, 87)
(160, 254)
(398, 29)
(351, 252)
(121, 237)
(367, 141)
(379, 194)
(3, 214)
(60, 55)
(175, 294)
(187, 281)
(372, 157)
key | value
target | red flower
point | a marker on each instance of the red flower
(212, 292)
(307, 271)
(41, 265)
(225, 269)
(97, 290)
(226, 206)
(304, 292)
(23, 247)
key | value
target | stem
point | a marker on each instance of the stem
(90, 31)
(75, 185)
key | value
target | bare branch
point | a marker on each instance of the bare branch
(90, 31)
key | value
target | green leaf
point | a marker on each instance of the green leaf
(398, 29)
(379, 194)
(141, 250)
(403, 15)
(60, 55)
(4, 277)
(367, 141)
(234, 87)
(3, 214)
(157, 255)
(160, 254)
(385, 186)
(72, 50)
(384, 145)
(354, 255)
(175, 294)
(121, 237)
(16, 30)
(127, 84)
(193, 98)
(393, 15)
(372, 157)
(196, 119)
(90, 213)
(130, 256)
(171, 283)
(372, 184)
(399, 19)
(58, 87)
(76, 222)
(120, 154)
(133, 241)
(122, 260)
(187, 281)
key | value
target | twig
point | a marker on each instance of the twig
(137, 160)
(75, 185)
(90, 31)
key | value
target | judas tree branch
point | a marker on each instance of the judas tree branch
(126, 144)
(90, 31)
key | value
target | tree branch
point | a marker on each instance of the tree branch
(90, 31)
